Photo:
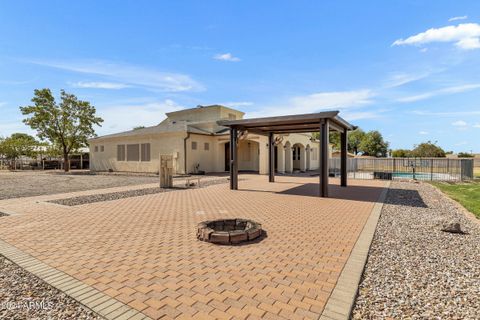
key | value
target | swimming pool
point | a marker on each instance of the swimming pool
(421, 176)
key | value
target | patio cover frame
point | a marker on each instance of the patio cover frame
(323, 122)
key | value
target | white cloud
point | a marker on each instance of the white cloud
(465, 36)
(99, 85)
(2, 104)
(423, 50)
(423, 132)
(458, 18)
(129, 74)
(401, 78)
(444, 91)
(446, 114)
(459, 123)
(125, 117)
(476, 125)
(469, 43)
(336, 100)
(226, 57)
(461, 143)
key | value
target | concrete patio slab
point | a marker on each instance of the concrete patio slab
(142, 251)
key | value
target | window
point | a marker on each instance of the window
(121, 152)
(206, 146)
(102, 148)
(133, 152)
(231, 116)
(194, 145)
(145, 156)
(96, 148)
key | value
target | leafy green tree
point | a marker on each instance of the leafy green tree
(373, 144)
(68, 124)
(355, 139)
(428, 150)
(138, 127)
(401, 153)
(17, 145)
(465, 155)
(334, 138)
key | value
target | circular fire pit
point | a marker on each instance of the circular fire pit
(228, 231)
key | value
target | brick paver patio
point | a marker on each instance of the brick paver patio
(143, 252)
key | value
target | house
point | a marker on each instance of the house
(198, 143)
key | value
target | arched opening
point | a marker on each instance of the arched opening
(298, 157)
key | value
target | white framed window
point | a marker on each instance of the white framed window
(206, 146)
(95, 149)
(102, 148)
(194, 145)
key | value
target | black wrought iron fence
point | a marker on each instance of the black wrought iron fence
(438, 169)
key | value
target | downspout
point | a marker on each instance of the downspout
(185, 152)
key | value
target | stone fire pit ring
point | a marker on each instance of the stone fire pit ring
(229, 231)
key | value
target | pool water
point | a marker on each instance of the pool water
(406, 175)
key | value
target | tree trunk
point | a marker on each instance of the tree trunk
(66, 163)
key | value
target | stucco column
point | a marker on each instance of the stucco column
(303, 159)
(288, 159)
(309, 157)
(280, 158)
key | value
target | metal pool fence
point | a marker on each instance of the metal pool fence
(434, 169)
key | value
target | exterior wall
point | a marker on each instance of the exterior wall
(211, 160)
(204, 158)
(165, 143)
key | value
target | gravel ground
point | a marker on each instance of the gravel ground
(126, 194)
(24, 296)
(35, 183)
(415, 270)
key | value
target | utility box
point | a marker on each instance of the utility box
(166, 171)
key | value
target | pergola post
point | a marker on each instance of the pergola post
(343, 158)
(324, 131)
(233, 159)
(271, 158)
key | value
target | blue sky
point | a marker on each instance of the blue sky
(407, 68)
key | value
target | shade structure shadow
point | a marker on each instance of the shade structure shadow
(359, 193)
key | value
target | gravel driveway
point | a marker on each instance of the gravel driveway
(414, 269)
(36, 183)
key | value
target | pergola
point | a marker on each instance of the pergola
(322, 122)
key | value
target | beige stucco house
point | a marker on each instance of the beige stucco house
(197, 143)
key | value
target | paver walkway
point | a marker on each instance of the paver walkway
(143, 252)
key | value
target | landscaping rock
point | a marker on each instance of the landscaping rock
(414, 269)
(24, 296)
(453, 227)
